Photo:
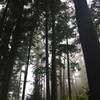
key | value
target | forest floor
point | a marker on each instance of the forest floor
(79, 98)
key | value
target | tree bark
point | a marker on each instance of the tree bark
(4, 41)
(68, 71)
(53, 73)
(91, 47)
(46, 50)
(27, 65)
(61, 84)
(64, 80)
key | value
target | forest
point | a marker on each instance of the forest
(49, 49)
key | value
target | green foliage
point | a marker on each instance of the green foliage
(78, 98)
(83, 98)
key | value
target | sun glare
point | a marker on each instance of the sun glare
(0, 7)
(63, 0)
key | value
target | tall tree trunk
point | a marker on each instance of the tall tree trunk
(68, 70)
(4, 58)
(53, 73)
(64, 80)
(11, 56)
(91, 47)
(61, 85)
(27, 65)
(4, 50)
(46, 50)
(61, 77)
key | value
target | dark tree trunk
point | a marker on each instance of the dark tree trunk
(27, 65)
(5, 50)
(46, 50)
(61, 85)
(53, 73)
(4, 40)
(68, 71)
(64, 92)
(91, 47)
(11, 56)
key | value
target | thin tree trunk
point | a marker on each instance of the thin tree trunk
(46, 50)
(27, 65)
(61, 87)
(53, 73)
(91, 47)
(64, 80)
(68, 69)
(61, 79)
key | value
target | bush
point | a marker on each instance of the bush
(83, 98)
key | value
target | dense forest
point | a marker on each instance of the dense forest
(49, 49)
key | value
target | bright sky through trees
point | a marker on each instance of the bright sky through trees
(88, 1)
(29, 83)
(0, 7)
(29, 88)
